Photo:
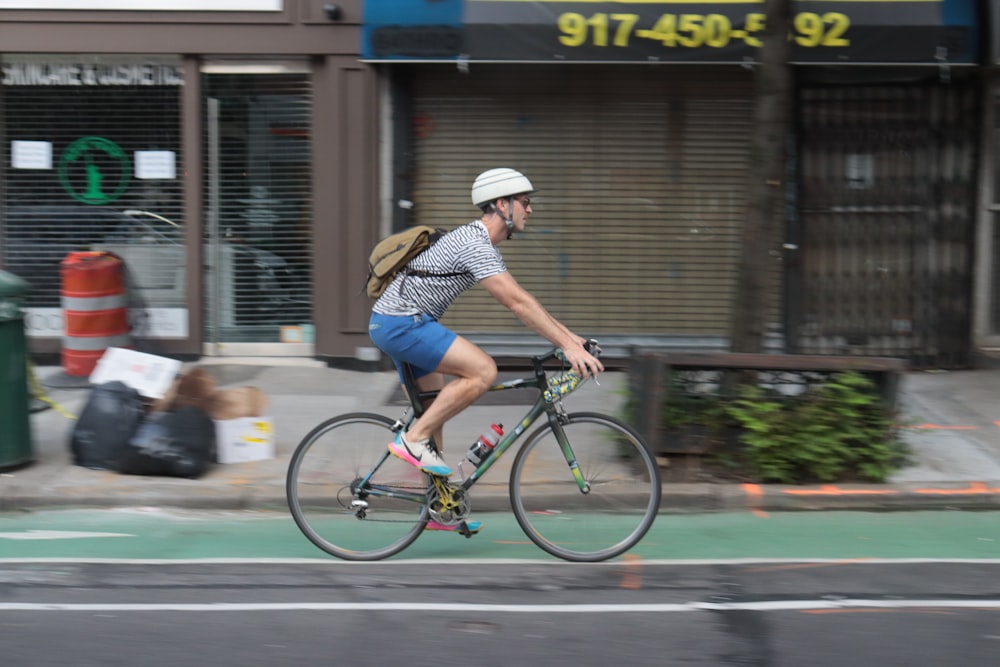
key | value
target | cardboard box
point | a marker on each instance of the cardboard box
(148, 374)
(244, 439)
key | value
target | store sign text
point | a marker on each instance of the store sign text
(40, 74)
(696, 30)
(675, 31)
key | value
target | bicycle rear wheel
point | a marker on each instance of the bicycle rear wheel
(327, 467)
(622, 496)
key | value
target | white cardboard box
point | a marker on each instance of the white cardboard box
(148, 374)
(244, 439)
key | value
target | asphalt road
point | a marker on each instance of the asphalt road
(500, 614)
(151, 588)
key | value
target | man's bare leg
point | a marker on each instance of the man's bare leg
(433, 382)
(475, 372)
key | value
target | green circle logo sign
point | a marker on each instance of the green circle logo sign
(94, 170)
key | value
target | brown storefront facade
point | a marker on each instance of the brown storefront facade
(228, 152)
(243, 156)
(634, 120)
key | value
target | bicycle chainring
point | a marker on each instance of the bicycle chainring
(448, 511)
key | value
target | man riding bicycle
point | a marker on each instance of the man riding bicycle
(405, 319)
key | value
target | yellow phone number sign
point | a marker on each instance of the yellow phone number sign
(696, 30)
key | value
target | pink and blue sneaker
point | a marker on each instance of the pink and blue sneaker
(420, 455)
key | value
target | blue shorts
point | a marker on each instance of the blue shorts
(417, 340)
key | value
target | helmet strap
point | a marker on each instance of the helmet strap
(509, 219)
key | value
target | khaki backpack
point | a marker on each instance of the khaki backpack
(393, 253)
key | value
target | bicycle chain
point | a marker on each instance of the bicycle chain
(443, 503)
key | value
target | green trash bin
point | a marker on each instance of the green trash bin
(15, 420)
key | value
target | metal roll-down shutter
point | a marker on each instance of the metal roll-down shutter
(640, 174)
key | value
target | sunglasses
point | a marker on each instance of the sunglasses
(525, 201)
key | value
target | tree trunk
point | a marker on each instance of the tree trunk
(765, 180)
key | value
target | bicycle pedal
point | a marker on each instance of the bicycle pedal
(463, 529)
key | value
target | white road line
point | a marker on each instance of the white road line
(57, 535)
(764, 605)
(323, 560)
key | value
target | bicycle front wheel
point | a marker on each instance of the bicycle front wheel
(613, 511)
(326, 470)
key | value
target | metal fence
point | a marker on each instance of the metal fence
(885, 222)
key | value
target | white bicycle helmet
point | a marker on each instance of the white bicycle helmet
(496, 183)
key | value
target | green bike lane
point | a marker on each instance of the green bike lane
(153, 535)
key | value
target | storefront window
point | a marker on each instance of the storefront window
(258, 205)
(92, 157)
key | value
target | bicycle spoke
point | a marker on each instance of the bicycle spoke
(622, 497)
(335, 510)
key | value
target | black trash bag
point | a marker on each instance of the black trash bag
(109, 419)
(173, 444)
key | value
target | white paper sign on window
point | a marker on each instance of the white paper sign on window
(155, 164)
(859, 171)
(31, 155)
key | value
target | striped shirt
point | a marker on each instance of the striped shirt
(466, 250)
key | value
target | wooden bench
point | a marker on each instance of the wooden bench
(650, 372)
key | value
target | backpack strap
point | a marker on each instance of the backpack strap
(407, 272)
(430, 274)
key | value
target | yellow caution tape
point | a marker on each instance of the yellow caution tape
(38, 392)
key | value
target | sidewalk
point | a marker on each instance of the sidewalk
(954, 436)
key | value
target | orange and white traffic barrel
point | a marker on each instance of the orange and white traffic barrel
(95, 313)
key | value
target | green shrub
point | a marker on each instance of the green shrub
(836, 430)
(839, 431)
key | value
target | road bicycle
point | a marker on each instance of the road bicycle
(583, 486)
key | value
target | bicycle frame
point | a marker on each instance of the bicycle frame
(541, 406)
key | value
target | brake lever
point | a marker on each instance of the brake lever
(591, 346)
(595, 350)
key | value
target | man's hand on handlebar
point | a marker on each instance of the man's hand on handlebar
(583, 358)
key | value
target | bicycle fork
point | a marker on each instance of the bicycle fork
(556, 420)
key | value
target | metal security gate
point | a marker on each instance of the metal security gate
(887, 218)
(641, 177)
(993, 316)
(258, 191)
(989, 279)
(92, 160)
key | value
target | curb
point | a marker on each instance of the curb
(890, 497)
(677, 498)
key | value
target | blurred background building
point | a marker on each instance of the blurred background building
(243, 156)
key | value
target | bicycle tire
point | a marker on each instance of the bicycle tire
(330, 459)
(623, 498)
